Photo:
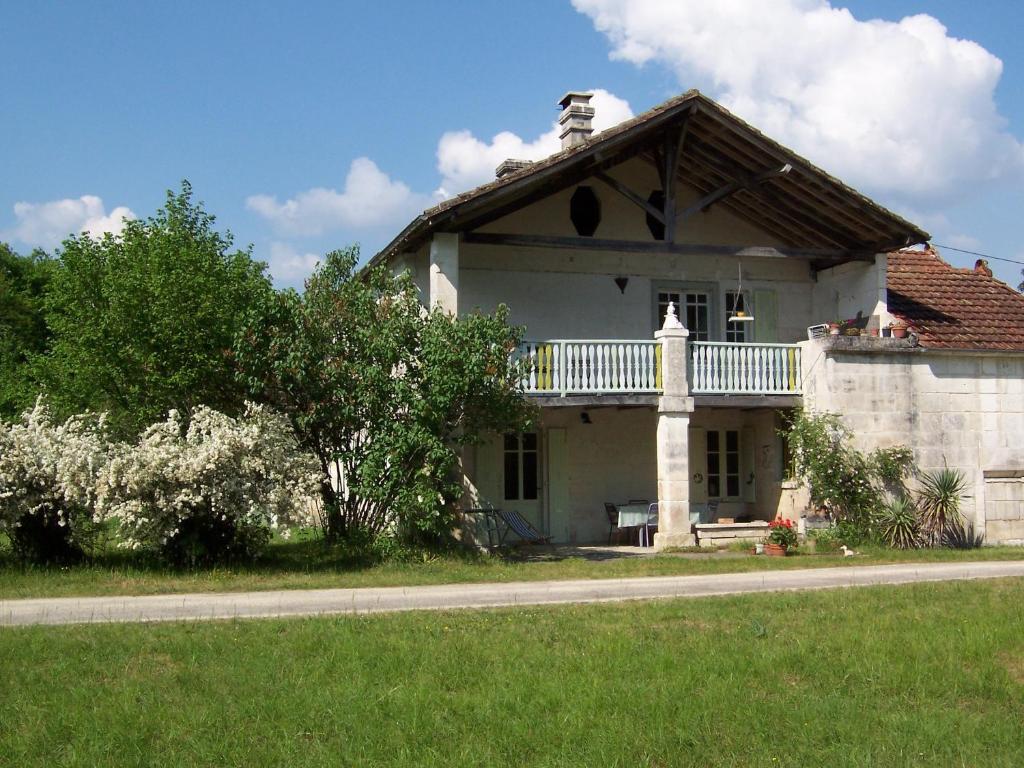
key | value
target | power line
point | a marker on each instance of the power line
(975, 253)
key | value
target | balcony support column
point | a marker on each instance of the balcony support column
(674, 409)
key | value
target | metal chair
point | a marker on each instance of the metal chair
(613, 519)
(645, 529)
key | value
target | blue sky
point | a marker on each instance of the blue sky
(268, 108)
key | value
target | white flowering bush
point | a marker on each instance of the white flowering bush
(209, 490)
(48, 477)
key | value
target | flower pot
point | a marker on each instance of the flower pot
(899, 332)
(774, 550)
(833, 329)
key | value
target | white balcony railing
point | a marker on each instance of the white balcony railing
(579, 366)
(723, 368)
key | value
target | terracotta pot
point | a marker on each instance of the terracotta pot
(899, 332)
(774, 550)
(833, 329)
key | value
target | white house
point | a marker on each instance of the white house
(688, 206)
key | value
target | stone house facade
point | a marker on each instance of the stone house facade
(687, 212)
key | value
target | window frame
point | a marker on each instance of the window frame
(722, 453)
(681, 287)
(522, 455)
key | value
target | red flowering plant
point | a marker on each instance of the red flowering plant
(780, 531)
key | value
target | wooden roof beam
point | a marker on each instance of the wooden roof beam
(731, 188)
(825, 255)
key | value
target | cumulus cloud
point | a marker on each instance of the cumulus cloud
(464, 161)
(288, 265)
(45, 225)
(370, 199)
(901, 107)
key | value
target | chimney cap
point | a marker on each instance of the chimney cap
(510, 166)
(579, 97)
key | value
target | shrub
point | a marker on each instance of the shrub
(209, 491)
(848, 485)
(939, 499)
(48, 477)
(898, 524)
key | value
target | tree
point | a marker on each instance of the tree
(143, 322)
(23, 331)
(382, 392)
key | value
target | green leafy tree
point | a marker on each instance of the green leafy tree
(23, 331)
(144, 322)
(382, 392)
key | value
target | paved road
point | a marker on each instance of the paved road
(194, 607)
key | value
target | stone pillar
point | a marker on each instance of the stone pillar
(674, 409)
(444, 272)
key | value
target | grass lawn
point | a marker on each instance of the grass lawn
(308, 564)
(921, 675)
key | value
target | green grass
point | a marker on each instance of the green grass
(922, 675)
(308, 564)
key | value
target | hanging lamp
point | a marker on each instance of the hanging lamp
(740, 315)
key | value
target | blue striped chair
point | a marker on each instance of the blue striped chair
(520, 526)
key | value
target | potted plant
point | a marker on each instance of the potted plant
(898, 328)
(833, 328)
(781, 537)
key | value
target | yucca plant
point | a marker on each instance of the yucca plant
(939, 502)
(899, 524)
(961, 535)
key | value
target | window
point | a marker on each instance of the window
(736, 332)
(693, 309)
(585, 211)
(723, 464)
(521, 476)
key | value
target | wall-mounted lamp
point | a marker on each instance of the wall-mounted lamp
(622, 282)
(585, 418)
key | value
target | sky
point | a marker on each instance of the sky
(309, 127)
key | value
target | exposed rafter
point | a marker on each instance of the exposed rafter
(630, 195)
(731, 188)
(823, 255)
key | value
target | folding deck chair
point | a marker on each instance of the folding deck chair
(520, 526)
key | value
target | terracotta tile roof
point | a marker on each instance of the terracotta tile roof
(952, 308)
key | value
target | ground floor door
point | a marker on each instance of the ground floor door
(528, 472)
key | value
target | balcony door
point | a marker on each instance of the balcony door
(693, 306)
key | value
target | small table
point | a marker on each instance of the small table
(632, 515)
(637, 516)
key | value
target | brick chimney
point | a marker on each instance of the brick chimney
(575, 118)
(510, 166)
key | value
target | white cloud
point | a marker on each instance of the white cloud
(901, 107)
(47, 224)
(288, 265)
(370, 199)
(465, 161)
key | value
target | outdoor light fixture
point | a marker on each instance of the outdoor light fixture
(739, 313)
(585, 418)
(622, 282)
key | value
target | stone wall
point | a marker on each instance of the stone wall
(964, 410)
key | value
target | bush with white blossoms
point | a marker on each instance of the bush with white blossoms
(48, 475)
(211, 489)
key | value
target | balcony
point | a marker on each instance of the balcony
(563, 367)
